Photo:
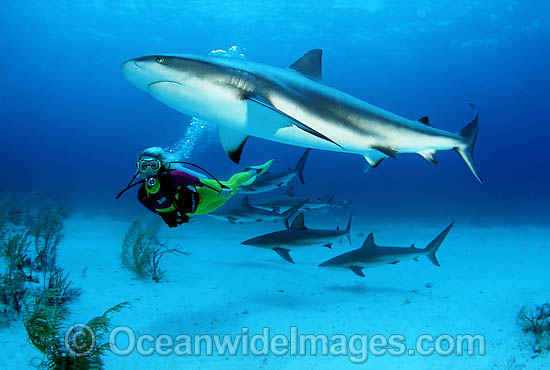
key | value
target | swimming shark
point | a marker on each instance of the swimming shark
(289, 105)
(298, 235)
(371, 254)
(248, 213)
(289, 200)
(268, 182)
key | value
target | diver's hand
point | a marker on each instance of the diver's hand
(226, 193)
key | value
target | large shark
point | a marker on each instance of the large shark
(371, 254)
(248, 213)
(289, 105)
(298, 235)
(269, 181)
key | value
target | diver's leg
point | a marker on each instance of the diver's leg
(210, 199)
(255, 171)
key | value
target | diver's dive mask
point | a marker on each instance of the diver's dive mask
(148, 167)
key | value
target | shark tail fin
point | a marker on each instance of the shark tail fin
(432, 248)
(466, 150)
(348, 229)
(300, 166)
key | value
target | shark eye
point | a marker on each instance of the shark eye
(160, 60)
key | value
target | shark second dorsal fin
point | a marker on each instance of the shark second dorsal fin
(309, 64)
(369, 242)
(298, 223)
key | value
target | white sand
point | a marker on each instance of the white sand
(486, 274)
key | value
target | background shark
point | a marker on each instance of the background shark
(247, 213)
(298, 235)
(288, 200)
(371, 254)
(268, 182)
(291, 106)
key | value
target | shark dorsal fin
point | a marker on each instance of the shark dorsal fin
(369, 242)
(309, 64)
(425, 120)
(298, 223)
(245, 202)
(290, 191)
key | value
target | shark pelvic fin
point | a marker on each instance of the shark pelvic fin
(387, 151)
(309, 64)
(357, 270)
(369, 242)
(328, 245)
(284, 253)
(298, 223)
(428, 155)
(425, 120)
(232, 142)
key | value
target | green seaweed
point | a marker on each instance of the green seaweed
(46, 229)
(142, 251)
(66, 348)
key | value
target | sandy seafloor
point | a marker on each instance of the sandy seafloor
(486, 275)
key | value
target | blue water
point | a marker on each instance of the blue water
(72, 127)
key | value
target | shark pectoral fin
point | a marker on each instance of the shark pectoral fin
(393, 262)
(328, 245)
(232, 142)
(231, 220)
(309, 64)
(257, 112)
(284, 253)
(428, 155)
(374, 158)
(387, 151)
(357, 270)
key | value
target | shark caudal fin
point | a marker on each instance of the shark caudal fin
(432, 248)
(300, 165)
(466, 150)
(348, 230)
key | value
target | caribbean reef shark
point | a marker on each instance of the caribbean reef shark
(298, 235)
(371, 254)
(268, 182)
(289, 200)
(248, 213)
(288, 105)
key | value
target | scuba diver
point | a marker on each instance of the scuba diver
(176, 195)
